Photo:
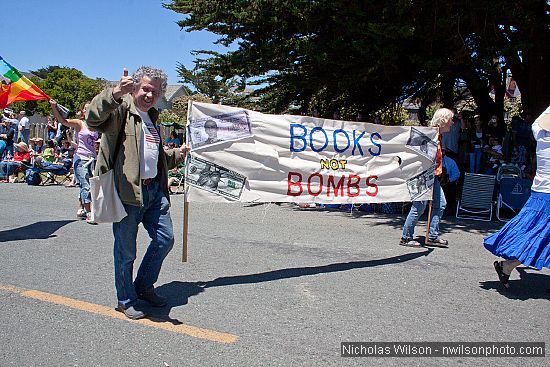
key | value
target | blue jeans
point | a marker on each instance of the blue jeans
(475, 160)
(155, 217)
(83, 172)
(417, 209)
(25, 136)
(8, 168)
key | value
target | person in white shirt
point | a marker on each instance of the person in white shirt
(24, 127)
(132, 148)
(525, 239)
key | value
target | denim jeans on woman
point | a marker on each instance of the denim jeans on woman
(417, 209)
(83, 172)
(155, 217)
(8, 168)
(475, 160)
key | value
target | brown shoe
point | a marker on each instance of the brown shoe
(409, 243)
(131, 312)
(151, 297)
(437, 242)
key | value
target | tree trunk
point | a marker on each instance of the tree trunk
(480, 93)
(534, 83)
(531, 70)
(447, 90)
(498, 79)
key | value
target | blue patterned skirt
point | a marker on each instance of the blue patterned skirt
(525, 237)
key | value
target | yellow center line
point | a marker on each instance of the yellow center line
(193, 331)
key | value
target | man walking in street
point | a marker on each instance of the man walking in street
(131, 146)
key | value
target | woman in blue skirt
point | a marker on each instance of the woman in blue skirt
(525, 239)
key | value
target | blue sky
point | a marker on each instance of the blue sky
(98, 37)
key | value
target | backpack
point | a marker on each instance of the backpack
(32, 177)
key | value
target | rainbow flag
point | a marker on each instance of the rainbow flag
(20, 88)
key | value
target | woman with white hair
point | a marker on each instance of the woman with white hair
(442, 119)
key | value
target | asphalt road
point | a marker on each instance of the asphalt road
(265, 285)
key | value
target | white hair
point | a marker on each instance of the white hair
(153, 74)
(441, 116)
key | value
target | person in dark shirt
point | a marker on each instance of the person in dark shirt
(495, 129)
(7, 136)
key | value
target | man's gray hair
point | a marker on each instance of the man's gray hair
(153, 74)
(441, 116)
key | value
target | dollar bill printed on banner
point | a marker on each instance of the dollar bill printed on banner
(215, 129)
(421, 183)
(422, 144)
(214, 178)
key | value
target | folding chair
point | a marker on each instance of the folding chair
(476, 201)
(180, 181)
(179, 177)
(512, 195)
(508, 170)
(17, 173)
(54, 170)
(51, 170)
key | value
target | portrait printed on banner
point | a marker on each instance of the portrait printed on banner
(422, 144)
(215, 129)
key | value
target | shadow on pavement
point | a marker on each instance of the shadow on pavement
(36, 231)
(178, 293)
(531, 285)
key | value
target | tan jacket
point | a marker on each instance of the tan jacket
(110, 117)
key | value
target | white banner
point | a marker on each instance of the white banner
(247, 156)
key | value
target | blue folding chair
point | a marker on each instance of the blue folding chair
(49, 170)
(513, 193)
(476, 200)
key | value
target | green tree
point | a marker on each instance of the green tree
(297, 51)
(68, 86)
(42, 73)
(480, 43)
(179, 104)
(366, 55)
(205, 82)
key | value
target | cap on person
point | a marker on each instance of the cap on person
(23, 146)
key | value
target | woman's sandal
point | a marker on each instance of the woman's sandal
(501, 276)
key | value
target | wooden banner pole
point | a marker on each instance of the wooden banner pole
(185, 190)
(428, 222)
(185, 228)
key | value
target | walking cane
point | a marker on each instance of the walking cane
(428, 222)
(185, 213)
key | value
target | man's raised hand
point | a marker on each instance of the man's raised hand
(124, 86)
